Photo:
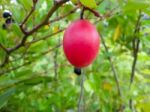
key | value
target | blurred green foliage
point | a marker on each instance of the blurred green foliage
(38, 77)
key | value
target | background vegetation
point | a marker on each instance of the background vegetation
(36, 77)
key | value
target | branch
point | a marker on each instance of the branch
(46, 37)
(101, 17)
(94, 12)
(135, 44)
(50, 13)
(112, 66)
(26, 18)
(30, 62)
(55, 62)
(28, 33)
(80, 103)
(33, 41)
(5, 49)
(63, 16)
(137, 41)
(6, 59)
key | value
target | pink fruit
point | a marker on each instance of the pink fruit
(81, 43)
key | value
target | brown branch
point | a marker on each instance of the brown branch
(5, 49)
(26, 18)
(135, 45)
(34, 41)
(50, 13)
(137, 42)
(28, 33)
(101, 17)
(94, 12)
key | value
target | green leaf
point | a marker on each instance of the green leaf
(37, 80)
(38, 47)
(18, 13)
(17, 30)
(26, 3)
(117, 32)
(5, 96)
(88, 85)
(89, 3)
(136, 5)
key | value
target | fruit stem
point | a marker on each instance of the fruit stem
(81, 97)
(82, 13)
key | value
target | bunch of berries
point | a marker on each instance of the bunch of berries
(8, 19)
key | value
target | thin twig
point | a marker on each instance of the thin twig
(63, 16)
(6, 56)
(81, 97)
(6, 59)
(29, 62)
(112, 66)
(45, 37)
(55, 62)
(26, 18)
(5, 49)
(135, 45)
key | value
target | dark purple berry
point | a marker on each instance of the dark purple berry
(6, 14)
(8, 21)
(77, 71)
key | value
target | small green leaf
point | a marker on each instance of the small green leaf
(117, 32)
(89, 3)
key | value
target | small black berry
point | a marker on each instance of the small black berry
(4, 26)
(6, 14)
(77, 71)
